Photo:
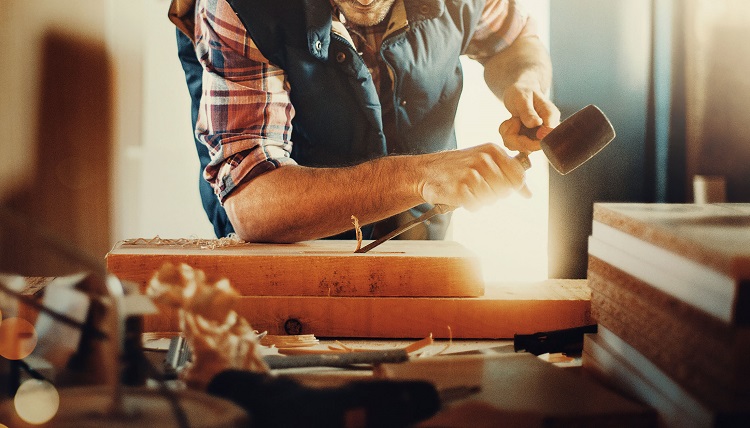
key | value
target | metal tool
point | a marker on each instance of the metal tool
(568, 341)
(344, 359)
(437, 209)
(179, 354)
(574, 141)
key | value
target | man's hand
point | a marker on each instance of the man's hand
(472, 177)
(521, 76)
(529, 108)
(372, 191)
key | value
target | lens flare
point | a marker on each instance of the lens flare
(36, 401)
(17, 338)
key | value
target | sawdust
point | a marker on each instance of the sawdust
(202, 243)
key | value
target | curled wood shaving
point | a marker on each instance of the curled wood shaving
(219, 338)
(358, 232)
(416, 346)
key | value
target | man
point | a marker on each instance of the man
(317, 110)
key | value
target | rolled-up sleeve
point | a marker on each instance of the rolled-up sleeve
(245, 116)
(502, 22)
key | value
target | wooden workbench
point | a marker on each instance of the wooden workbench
(507, 380)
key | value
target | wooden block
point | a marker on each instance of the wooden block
(705, 246)
(316, 268)
(715, 235)
(504, 311)
(520, 390)
(697, 350)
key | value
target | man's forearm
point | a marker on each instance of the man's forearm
(521, 76)
(525, 62)
(296, 203)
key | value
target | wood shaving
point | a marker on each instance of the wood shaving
(358, 232)
(450, 341)
(218, 337)
(290, 341)
(427, 341)
(204, 244)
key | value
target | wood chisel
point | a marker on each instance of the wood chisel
(576, 140)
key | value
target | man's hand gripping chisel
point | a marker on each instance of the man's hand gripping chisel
(576, 140)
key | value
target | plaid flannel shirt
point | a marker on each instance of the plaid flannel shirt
(245, 116)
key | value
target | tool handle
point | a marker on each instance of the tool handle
(534, 133)
(523, 159)
(569, 340)
(278, 401)
(530, 132)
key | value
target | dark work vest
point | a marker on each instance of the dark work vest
(337, 111)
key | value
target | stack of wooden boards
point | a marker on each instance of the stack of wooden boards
(401, 289)
(671, 293)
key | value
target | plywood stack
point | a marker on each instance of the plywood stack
(671, 293)
(401, 289)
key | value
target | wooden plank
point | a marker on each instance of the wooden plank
(715, 235)
(504, 311)
(698, 351)
(699, 253)
(672, 274)
(316, 268)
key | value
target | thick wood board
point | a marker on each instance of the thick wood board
(694, 284)
(715, 235)
(504, 311)
(316, 268)
(706, 356)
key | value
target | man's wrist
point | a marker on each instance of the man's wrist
(407, 176)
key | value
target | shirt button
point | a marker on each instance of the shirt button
(424, 9)
(318, 45)
(340, 57)
(403, 103)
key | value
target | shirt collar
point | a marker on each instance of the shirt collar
(319, 18)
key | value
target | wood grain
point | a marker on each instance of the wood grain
(624, 369)
(504, 311)
(715, 235)
(316, 268)
(701, 353)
